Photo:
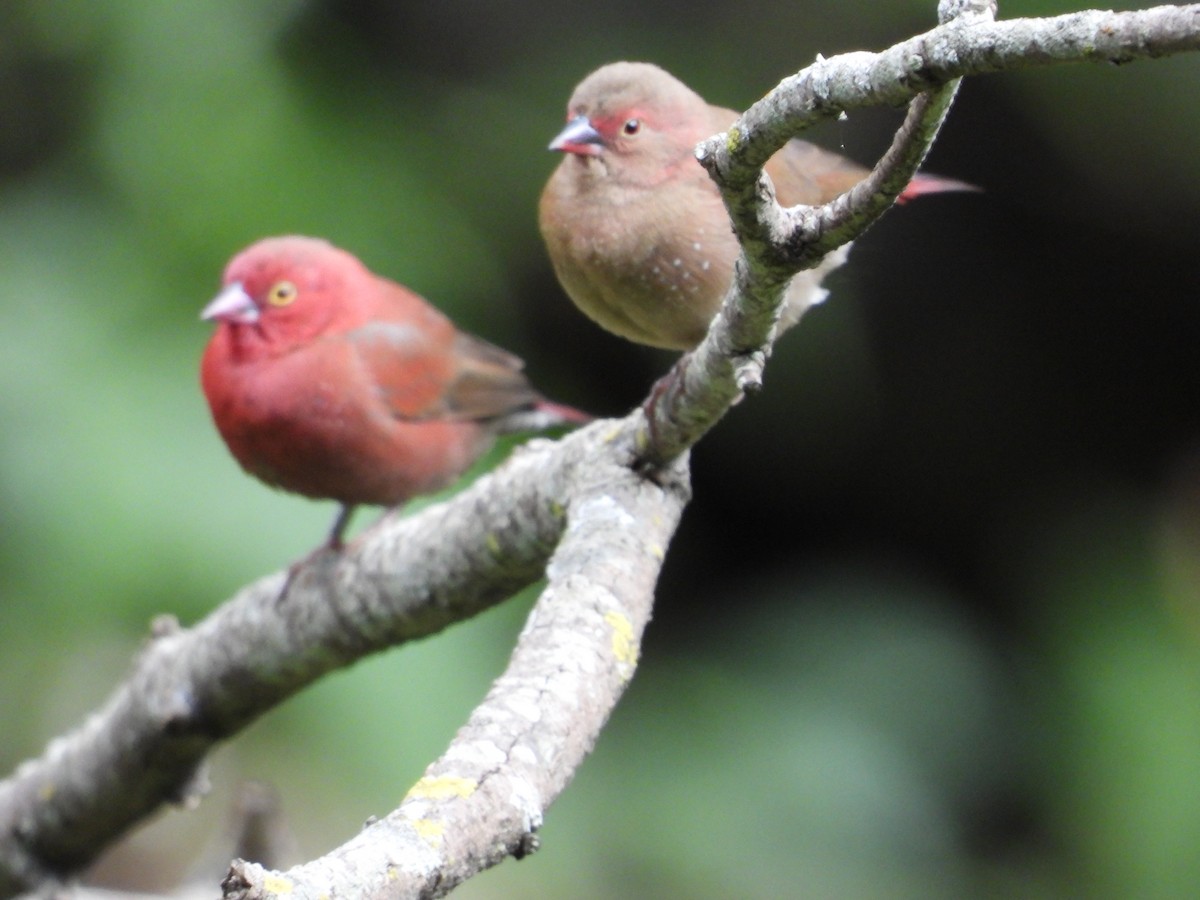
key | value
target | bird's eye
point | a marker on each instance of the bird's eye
(282, 293)
(632, 126)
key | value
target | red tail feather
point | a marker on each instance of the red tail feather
(933, 184)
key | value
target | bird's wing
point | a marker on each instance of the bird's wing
(435, 372)
(805, 173)
(488, 381)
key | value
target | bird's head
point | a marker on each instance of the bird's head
(283, 291)
(632, 119)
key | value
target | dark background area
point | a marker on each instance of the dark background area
(929, 627)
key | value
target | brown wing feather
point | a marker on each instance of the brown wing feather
(424, 373)
(805, 173)
(802, 172)
(488, 382)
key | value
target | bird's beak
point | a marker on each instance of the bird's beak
(580, 138)
(233, 304)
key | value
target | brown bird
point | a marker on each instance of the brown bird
(636, 229)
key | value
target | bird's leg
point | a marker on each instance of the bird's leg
(334, 543)
(344, 515)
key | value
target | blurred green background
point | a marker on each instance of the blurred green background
(929, 628)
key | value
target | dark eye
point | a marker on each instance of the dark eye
(632, 126)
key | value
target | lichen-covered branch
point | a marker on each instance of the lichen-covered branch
(928, 61)
(777, 243)
(191, 688)
(484, 799)
(599, 506)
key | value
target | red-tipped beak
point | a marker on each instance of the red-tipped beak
(233, 304)
(580, 138)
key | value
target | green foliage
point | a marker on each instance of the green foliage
(930, 627)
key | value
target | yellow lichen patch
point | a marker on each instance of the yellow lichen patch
(656, 551)
(277, 884)
(733, 137)
(624, 646)
(493, 545)
(440, 787)
(430, 831)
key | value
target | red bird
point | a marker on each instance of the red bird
(635, 228)
(329, 381)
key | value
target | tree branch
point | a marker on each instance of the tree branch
(405, 579)
(580, 498)
(485, 798)
(777, 243)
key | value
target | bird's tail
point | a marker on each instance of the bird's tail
(933, 184)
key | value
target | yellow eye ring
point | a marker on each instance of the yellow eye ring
(282, 293)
